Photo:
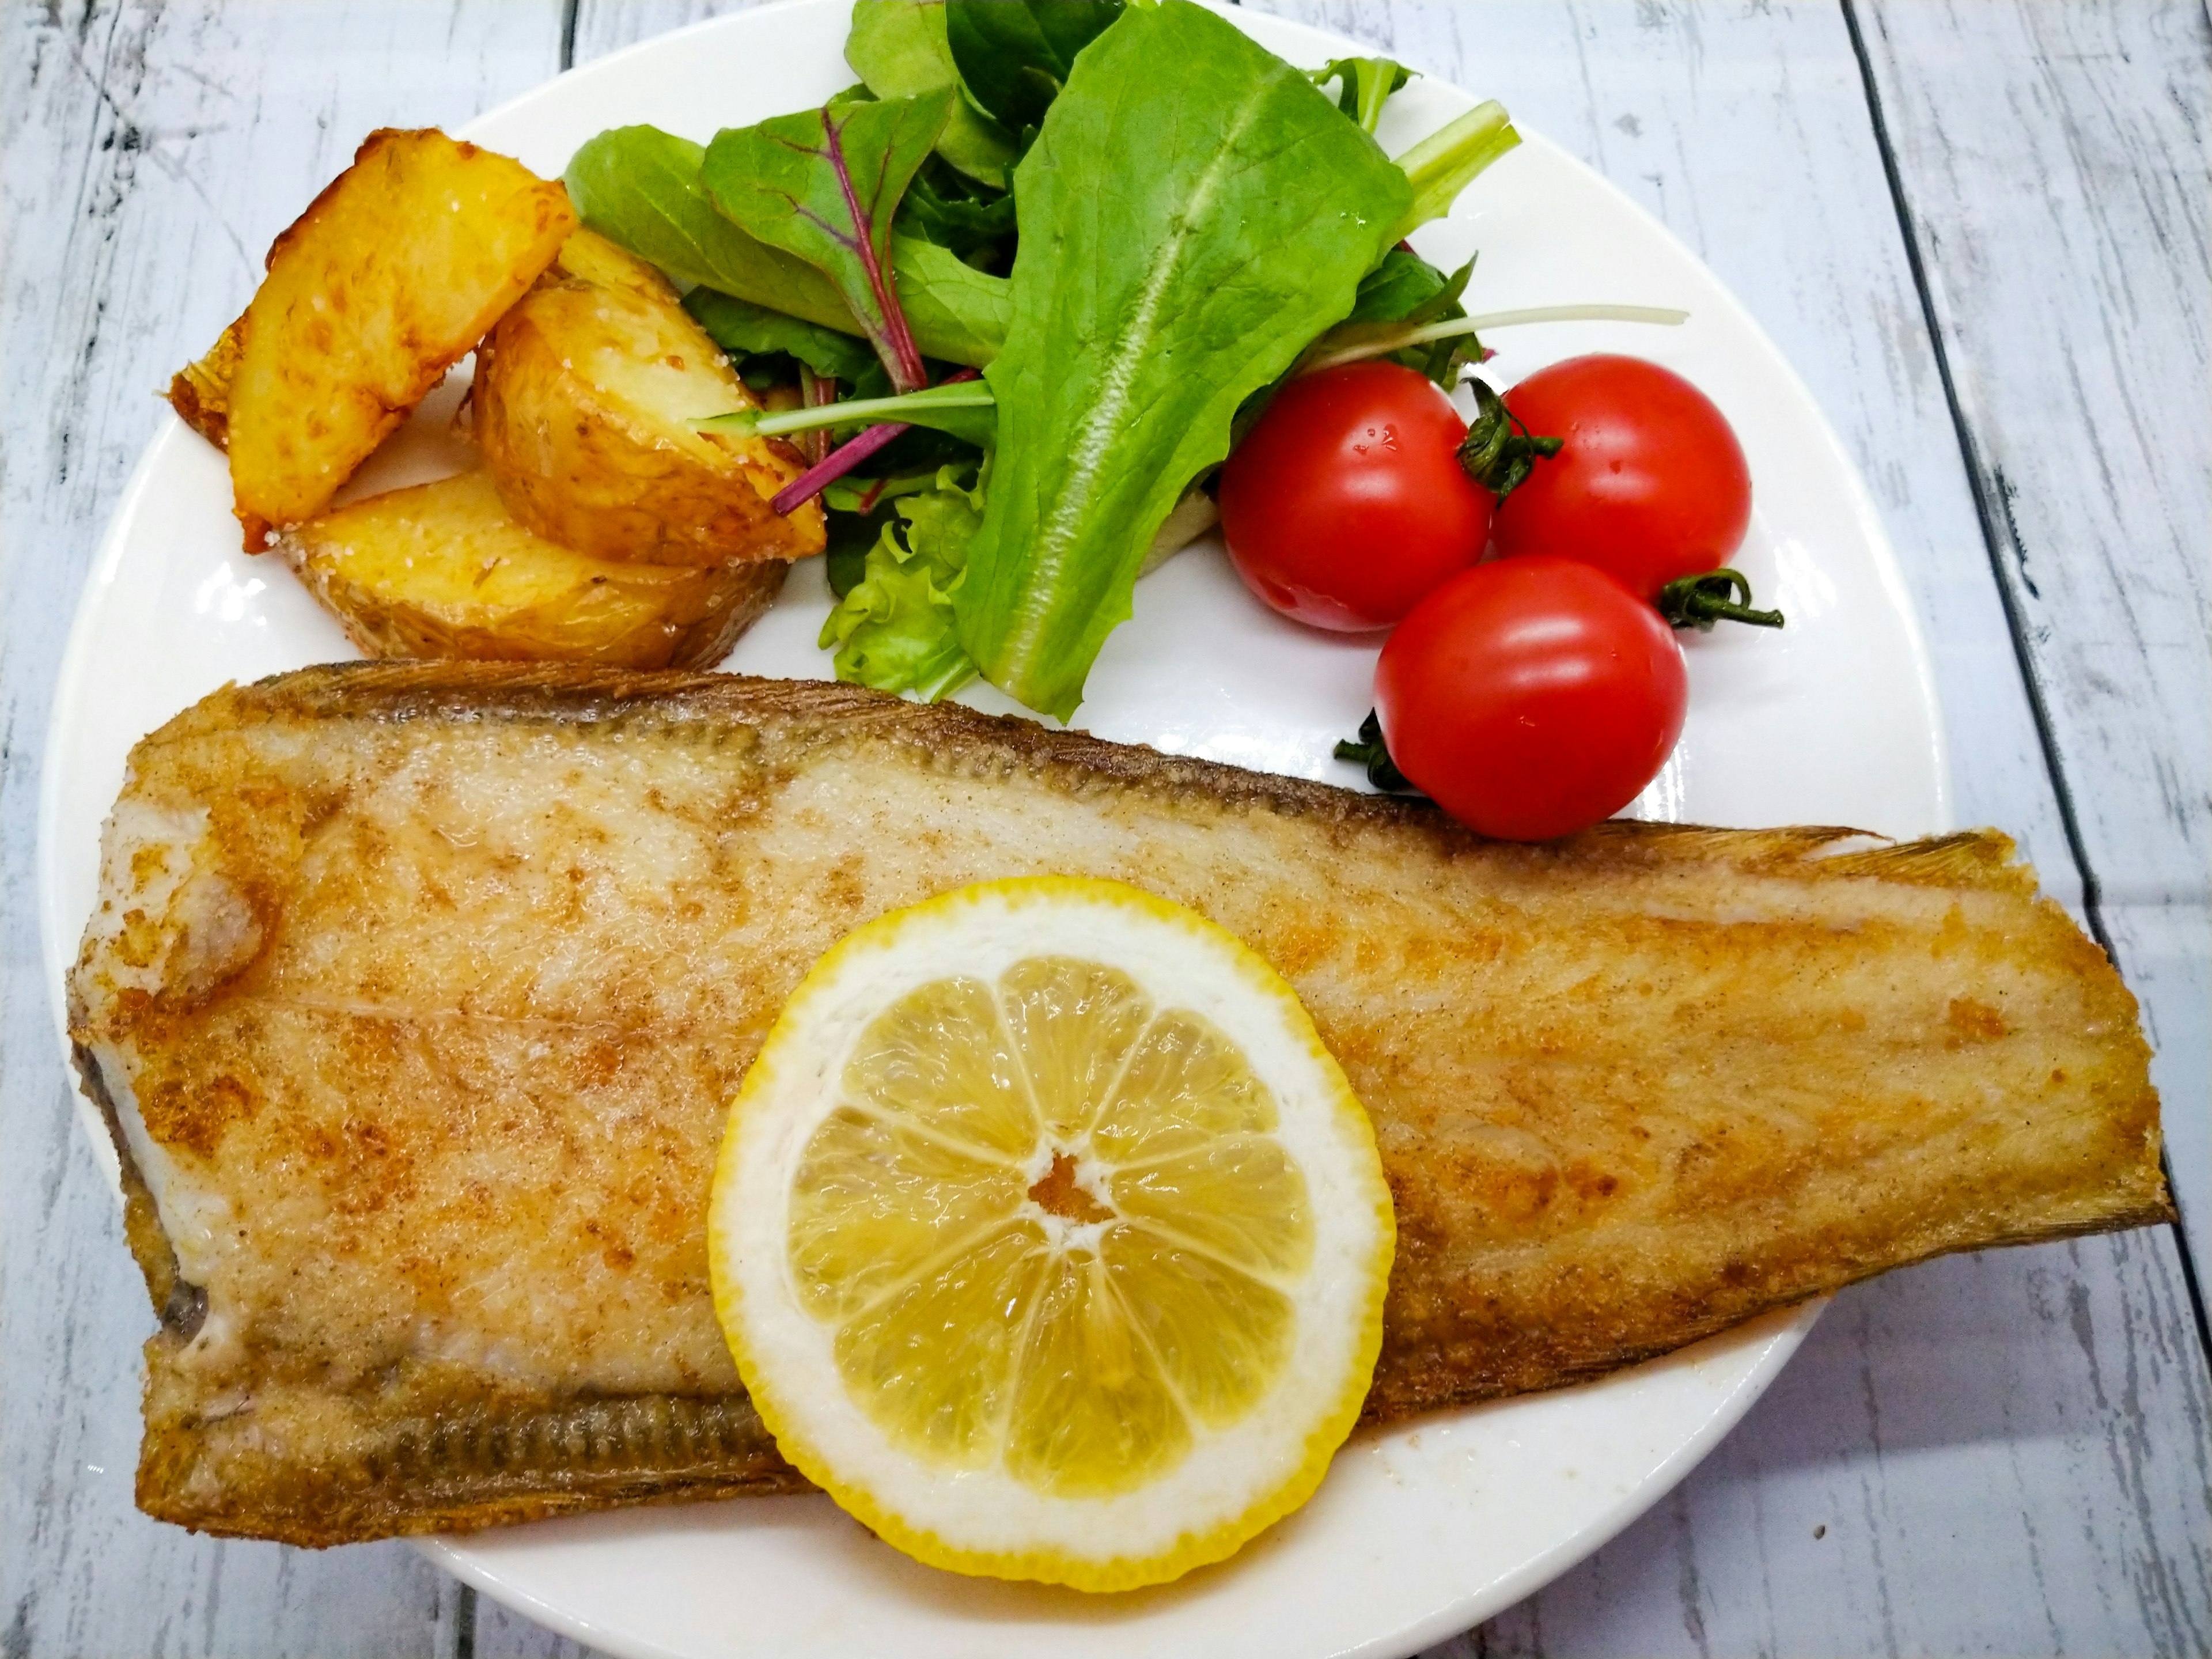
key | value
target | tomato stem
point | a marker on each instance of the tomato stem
(1382, 771)
(1723, 595)
(1499, 451)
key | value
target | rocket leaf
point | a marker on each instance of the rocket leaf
(824, 185)
(1192, 213)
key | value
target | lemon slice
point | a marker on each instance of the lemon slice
(1049, 1240)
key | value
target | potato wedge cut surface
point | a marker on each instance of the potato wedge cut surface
(584, 396)
(442, 570)
(389, 278)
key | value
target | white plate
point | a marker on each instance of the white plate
(1417, 1533)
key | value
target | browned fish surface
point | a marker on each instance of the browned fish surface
(418, 993)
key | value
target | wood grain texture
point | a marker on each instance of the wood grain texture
(153, 151)
(2067, 202)
(2006, 1453)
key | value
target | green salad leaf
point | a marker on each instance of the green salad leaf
(1014, 55)
(971, 226)
(745, 329)
(1393, 290)
(893, 628)
(1193, 212)
(640, 187)
(1364, 85)
(898, 47)
(824, 185)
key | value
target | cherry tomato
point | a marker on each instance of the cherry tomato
(1531, 697)
(1346, 502)
(1650, 484)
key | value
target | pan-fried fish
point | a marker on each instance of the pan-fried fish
(416, 994)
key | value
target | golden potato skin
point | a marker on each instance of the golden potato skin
(585, 395)
(389, 278)
(200, 392)
(442, 570)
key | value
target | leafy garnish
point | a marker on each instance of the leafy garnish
(893, 628)
(824, 185)
(972, 226)
(1192, 213)
(745, 329)
(640, 187)
(1014, 55)
(1446, 161)
(1723, 595)
(1367, 84)
(898, 47)
(1441, 359)
(1390, 292)
(1499, 451)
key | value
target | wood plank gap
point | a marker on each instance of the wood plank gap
(1993, 543)
(464, 1609)
(568, 33)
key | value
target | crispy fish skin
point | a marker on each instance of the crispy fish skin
(417, 992)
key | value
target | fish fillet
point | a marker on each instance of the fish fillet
(416, 994)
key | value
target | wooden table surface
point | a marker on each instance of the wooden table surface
(1979, 229)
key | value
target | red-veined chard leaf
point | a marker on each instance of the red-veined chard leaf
(1192, 213)
(824, 185)
(640, 187)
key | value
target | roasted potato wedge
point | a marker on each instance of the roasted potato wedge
(442, 570)
(200, 392)
(584, 400)
(389, 278)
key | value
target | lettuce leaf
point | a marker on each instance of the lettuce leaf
(894, 629)
(640, 186)
(1193, 212)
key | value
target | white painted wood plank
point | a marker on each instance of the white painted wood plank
(2058, 171)
(503, 1634)
(152, 153)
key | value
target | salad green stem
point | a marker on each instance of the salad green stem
(913, 407)
(1351, 342)
(1446, 161)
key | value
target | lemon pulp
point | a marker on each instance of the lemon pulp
(1077, 1193)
